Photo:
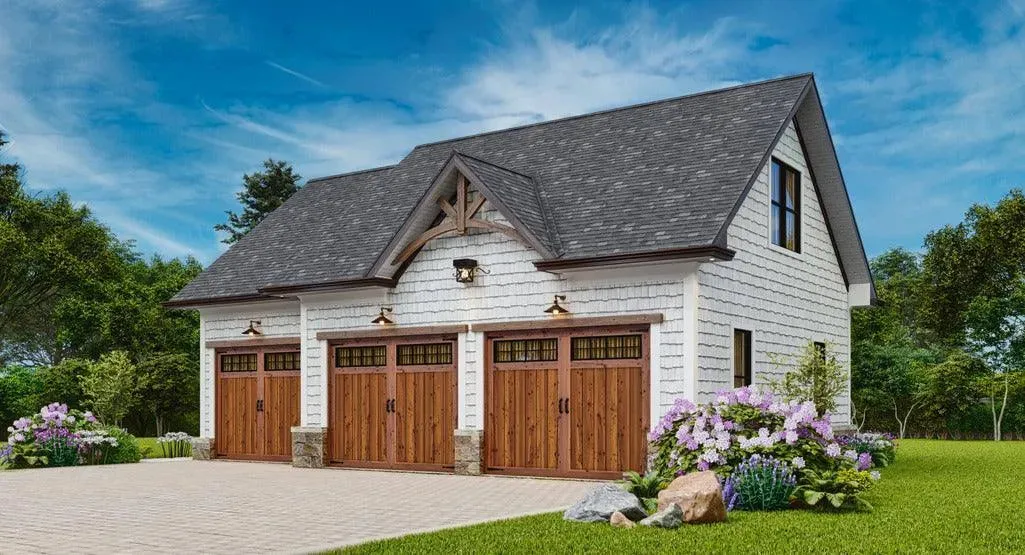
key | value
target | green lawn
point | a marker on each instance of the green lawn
(942, 497)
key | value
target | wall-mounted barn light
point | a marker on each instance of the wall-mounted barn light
(381, 319)
(467, 269)
(251, 331)
(556, 309)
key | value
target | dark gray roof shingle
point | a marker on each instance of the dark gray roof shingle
(661, 175)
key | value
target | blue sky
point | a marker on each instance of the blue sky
(149, 111)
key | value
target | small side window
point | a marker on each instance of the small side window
(786, 207)
(820, 349)
(741, 358)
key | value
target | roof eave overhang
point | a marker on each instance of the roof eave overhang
(711, 252)
(285, 292)
(215, 301)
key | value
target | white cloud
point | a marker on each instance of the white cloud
(548, 74)
(55, 61)
(294, 73)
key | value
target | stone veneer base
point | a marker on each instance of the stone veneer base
(309, 446)
(469, 446)
(203, 448)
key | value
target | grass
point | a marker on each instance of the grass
(940, 496)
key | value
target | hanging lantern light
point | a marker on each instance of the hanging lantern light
(556, 309)
(381, 319)
(251, 331)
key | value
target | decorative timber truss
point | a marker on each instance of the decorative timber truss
(458, 219)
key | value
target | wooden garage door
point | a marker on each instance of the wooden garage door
(567, 403)
(393, 403)
(257, 402)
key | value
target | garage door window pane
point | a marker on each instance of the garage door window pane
(355, 357)
(607, 347)
(273, 362)
(526, 350)
(238, 363)
(427, 353)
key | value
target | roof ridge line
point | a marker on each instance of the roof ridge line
(483, 161)
(347, 174)
(620, 108)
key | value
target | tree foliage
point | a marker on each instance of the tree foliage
(71, 292)
(819, 377)
(111, 386)
(261, 193)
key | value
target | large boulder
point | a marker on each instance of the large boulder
(670, 517)
(599, 504)
(698, 495)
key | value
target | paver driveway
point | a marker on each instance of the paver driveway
(235, 507)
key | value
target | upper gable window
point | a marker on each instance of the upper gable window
(786, 206)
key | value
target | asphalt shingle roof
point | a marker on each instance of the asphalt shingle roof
(661, 175)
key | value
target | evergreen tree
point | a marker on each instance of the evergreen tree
(261, 193)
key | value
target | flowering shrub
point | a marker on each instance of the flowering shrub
(722, 435)
(878, 450)
(57, 436)
(175, 444)
(760, 484)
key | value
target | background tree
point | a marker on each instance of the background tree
(975, 272)
(950, 391)
(261, 193)
(889, 378)
(169, 386)
(819, 377)
(112, 386)
(49, 249)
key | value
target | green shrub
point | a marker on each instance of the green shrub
(835, 490)
(645, 487)
(127, 449)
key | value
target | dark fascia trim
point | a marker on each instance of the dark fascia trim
(843, 184)
(720, 237)
(209, 301)
(710, 251)
(247, 342)
(420, 331)
(822, 206)
(563, 322)
(329, 285)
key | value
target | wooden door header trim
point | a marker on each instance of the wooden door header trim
(392, 332)
(256, 342)
(573, 322)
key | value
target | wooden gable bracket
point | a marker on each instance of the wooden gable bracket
(458, 219)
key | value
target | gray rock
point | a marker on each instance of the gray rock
(599, 504)
(670, 517)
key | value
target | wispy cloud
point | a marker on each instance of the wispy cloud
(295, 73)
(47, 99)
(938, 128)
(550, 73)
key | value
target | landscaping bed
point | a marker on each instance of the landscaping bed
(939, 496)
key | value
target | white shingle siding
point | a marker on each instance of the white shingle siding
(427, 294)
(215, 324)
(785, 299)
